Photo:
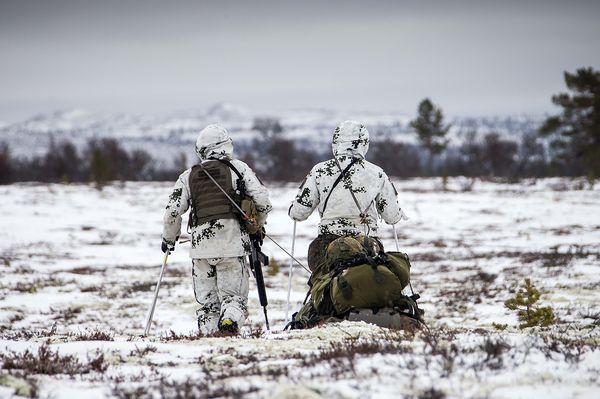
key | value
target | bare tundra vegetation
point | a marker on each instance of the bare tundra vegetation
(78, 271)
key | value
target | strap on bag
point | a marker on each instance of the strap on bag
(234, 169)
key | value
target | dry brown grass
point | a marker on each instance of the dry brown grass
(48, 362)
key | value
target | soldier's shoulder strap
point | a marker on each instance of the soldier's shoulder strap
(240, 181)
(227, 162)
(337, 181)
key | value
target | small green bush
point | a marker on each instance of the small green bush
(591, 179)
(528, 314)
(273, 269)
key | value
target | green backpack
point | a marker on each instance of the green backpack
(375, 284)
(354, 277)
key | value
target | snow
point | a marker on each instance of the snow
(75, 260)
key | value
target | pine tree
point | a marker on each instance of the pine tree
(269, 130)
(98, 169)
(528, 314)
(5, 164)
(577, 129)
(430, 129)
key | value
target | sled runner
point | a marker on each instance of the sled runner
(386, 317)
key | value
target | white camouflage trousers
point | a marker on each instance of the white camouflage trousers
(221, 289)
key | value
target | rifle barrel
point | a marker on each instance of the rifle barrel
(257, 259)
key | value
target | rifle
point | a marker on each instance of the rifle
(257, 259)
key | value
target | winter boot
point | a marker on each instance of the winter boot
(228, 326)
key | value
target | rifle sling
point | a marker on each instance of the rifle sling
(233, 168)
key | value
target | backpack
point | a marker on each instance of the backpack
(207, 200)
(355, 278)
(210, 201)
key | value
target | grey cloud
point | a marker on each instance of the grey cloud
(472, 57)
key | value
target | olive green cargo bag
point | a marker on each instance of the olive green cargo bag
(354, 278)
(371, 286)
(399, 264)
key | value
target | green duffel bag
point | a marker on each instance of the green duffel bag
(399, 264)
(365, 286)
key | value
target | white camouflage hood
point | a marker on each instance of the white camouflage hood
(350, 138)
(214, 141)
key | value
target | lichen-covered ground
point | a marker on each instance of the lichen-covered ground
(78, 267)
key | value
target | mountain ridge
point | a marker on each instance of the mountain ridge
(166, 134)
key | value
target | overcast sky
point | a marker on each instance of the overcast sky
(471, 57)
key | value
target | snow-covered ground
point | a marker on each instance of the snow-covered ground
(78, 267)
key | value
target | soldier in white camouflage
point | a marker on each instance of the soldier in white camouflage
(361, 196)
(219, 239)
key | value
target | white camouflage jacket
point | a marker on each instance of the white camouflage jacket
(372, 188)
(222, 237)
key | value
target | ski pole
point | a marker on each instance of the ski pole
(257, 260)
(287, 305)
(151, 313)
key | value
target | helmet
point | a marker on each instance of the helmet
(214, 140)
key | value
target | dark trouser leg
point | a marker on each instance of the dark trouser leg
(317, 250)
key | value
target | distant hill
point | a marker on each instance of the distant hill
(165, 136)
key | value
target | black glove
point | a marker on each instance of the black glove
(164, 247)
